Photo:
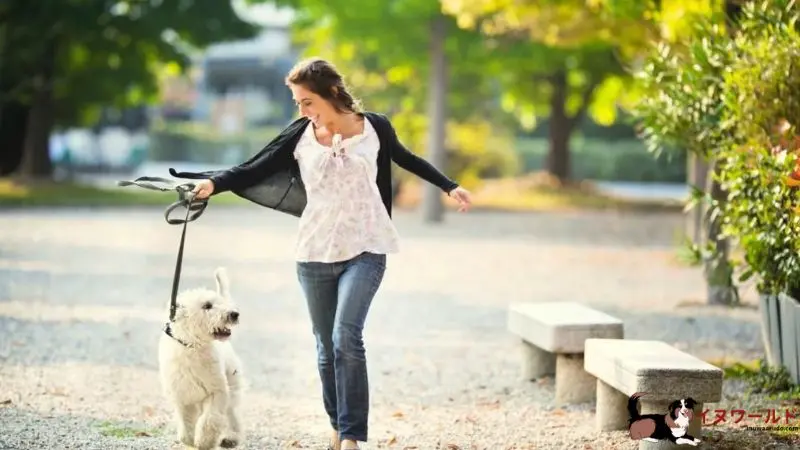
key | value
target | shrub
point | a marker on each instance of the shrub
(761, 101)
(682, 108)
(684, 87)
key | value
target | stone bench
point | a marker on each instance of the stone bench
(552, 337)
(664, 373)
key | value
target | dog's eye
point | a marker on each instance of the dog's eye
(207, 305)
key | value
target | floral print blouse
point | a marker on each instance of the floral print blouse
(345, 215)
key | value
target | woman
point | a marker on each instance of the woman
(343, 160)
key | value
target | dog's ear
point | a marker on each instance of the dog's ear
(673, 408)
(690, 402)
(223, 284)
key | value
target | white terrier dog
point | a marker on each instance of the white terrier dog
(200, 372)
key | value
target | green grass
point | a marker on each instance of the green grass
(14, 194)
(127, 431)
(540, 192)
(772, 382)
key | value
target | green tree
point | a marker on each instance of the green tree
(561, 60)
(61, 61)
(682, 107)
(412, 62)
(760, 169)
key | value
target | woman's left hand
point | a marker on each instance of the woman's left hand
(462, 196)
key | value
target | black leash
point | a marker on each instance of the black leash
(194, 209)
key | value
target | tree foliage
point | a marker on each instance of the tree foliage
(383, 50)
(106, 52)
(562, 60)
(683, 88)
(760, 163)
(62, 61)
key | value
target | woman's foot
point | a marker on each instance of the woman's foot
(335, 444)
(348, 444)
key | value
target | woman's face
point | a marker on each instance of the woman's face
(312, 106)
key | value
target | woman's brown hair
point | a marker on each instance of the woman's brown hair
(321, 77)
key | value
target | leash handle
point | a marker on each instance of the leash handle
(185, 196)
(186, 199)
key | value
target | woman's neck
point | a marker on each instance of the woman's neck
(342, 124)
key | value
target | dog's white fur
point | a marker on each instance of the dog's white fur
(203, 380)
(682, 421)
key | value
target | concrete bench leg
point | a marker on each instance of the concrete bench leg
(612, 408)
(662, 408)
(573, 384)
(536, 363)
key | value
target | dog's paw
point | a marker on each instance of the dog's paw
(229, 442)
(187, 441)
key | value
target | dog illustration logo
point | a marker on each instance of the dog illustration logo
(673, 426)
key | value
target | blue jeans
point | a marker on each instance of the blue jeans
(339, 295)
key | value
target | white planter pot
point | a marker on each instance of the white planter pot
(780, 328)
(789, 344)
(770, 327)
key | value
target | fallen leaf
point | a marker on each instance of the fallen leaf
(398, 414)
(143, 434)
(392, 440)
(559, 412)
(6, 402)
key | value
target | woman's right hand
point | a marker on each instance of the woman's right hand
(203, 189)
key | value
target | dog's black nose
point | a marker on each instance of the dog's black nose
(235, 315)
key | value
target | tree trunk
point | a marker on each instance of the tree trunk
(720, 289)
(558, 162)
(36, 162)
(717, 268)
(697, 176)
(13, 123)
(433, 209)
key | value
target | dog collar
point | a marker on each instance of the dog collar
(168, 332)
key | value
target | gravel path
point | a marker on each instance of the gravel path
(83, 292)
